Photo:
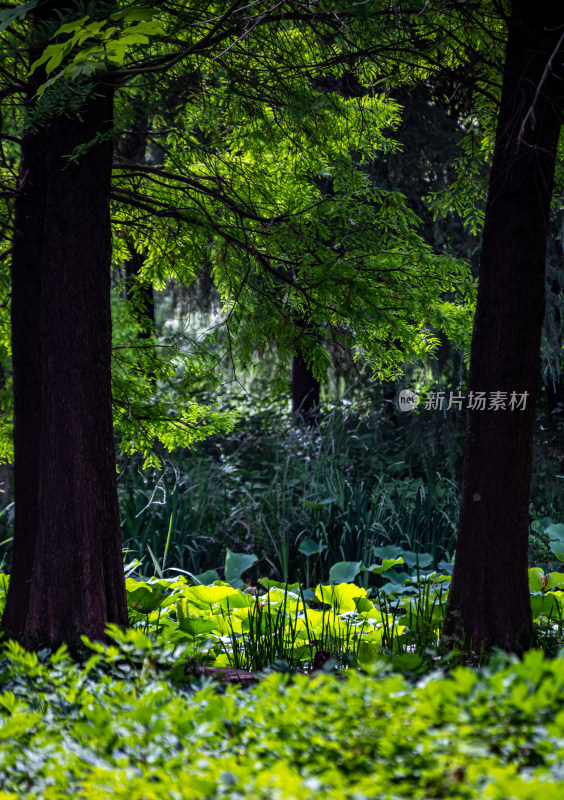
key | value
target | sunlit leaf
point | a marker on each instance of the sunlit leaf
(342, 596)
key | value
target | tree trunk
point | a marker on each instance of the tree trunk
(489, 601)
(67, 569)
(305, 392)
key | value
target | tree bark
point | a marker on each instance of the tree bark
(305, 392)
(489, 601)
(67, 568)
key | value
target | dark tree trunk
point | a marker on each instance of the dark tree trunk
(489, 598)
(205, 288)
(67, 569)
(305, 392)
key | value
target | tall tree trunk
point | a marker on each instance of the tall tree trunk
(489, 598)
(67, 570)
(305, 392)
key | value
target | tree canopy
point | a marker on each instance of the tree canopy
(260, 145)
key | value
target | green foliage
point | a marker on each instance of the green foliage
(267, 183)
(112, 44)
(466, 194)
(10, 15)
(235, 565)
(402, 612)
(547, 604)
(264, 176)
(155, 410)
(556, 536)
(272, 489)
(320, 264)
(289, 623)
(6, 400)
(547, 541)
(120, 725)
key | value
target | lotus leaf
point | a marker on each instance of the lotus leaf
(422, 560)
(363, 604)
(196, 626)
(341, 597)
(310, 547)
(545, 605)
(536, 583)
(290, 587)
(345, 571)
(236, 564)
(276, 596)
(387, 563)
(206, 596)
(554, 579)
(143, 597)
(388, 551)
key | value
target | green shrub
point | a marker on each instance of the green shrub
(270, 488)
(119, 726)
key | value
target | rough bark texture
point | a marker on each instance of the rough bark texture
(67, 569)
(489, 598)
(305, 392)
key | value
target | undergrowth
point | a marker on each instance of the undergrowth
(301, 498)
(131, 723)
(389, 716)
